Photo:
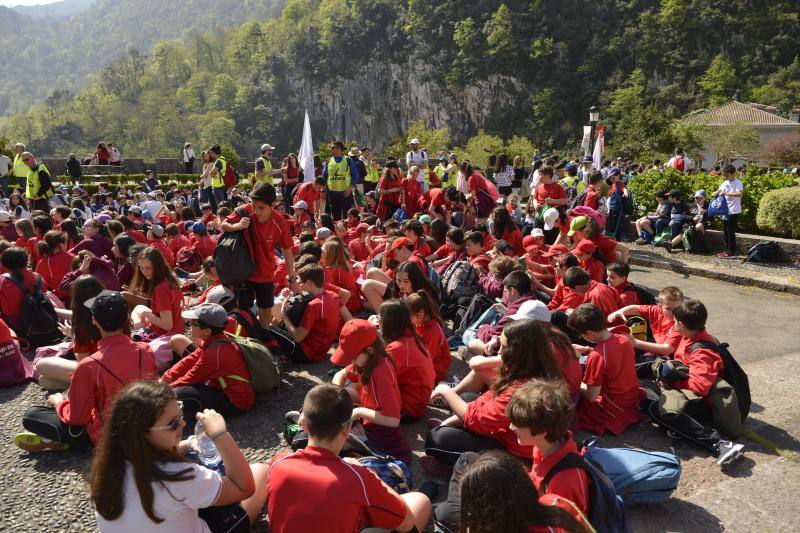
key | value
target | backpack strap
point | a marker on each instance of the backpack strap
(571, 460)
(227, 340)
(112, 373)
(21, 286)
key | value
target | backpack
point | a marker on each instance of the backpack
(400, 215)
(38, 322)
(265, 369)
(734, 374)
(638, 476)
(572, 189)
(679, 164)
(233, 257)
(188, 259)
(693, 241)
(629, 204)
(663, 238)
(460, 280)
(391, 471)
(645, 298)
(578, 200)
(586, 211)
(296, 307)
(765, 252)
(231, 177)
(606, 510)
(718, 207)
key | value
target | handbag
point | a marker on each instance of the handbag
(718, 207)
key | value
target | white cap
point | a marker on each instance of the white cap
(323, 233)
(300, 205)
(220, 294)
(5, 216)
(266, 146)
(533, 309)
(550, 218)
(414, 141)
(537, 232)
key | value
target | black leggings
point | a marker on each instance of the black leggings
(730, 225)
(195, 398)
(447, 515)
(44, 421)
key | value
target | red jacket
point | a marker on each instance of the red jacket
(705, 365)
(487, 416)
(435, 341)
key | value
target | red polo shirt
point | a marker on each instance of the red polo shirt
(11, 302)
(344, 279)
(603, 297)
(53, 268)
(270, 233)
(415, 374)
(381, 393)
(321, 320)
(662, 326)
(435, 341)
(487, 416)
(571, 483)
(167, 297)
(705, 365)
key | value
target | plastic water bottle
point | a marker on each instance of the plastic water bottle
(207, 451)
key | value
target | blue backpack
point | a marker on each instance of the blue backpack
(718, 207)
(393, 472)
(606, 510)
(638, 476)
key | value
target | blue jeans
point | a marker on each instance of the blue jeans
(4, 185)
(220, 194)
(207, 196)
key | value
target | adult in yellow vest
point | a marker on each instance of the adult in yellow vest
(19, 169)
(217, 173)
(338, 172)
(264, 170)
(38, 187)
(373, 170)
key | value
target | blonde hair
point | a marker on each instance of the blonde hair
(335, 254)
(517, 161)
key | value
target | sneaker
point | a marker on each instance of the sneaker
(33, 443)
(434, 467)
(292, 417)
(640, 241)
(728, 451)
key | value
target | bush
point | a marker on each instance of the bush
(645, 186)
(779, 212)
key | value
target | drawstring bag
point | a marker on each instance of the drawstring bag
(14, 368)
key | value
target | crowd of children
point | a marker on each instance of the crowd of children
(536, 304)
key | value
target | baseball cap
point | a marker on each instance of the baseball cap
(537, 232)
(199, 228)
(400, 242)
(613, 171)
(267, 146)
(357, 335)
(571, 167)
(585, 247)
(414, 141)
(300, 205)
(501, 245)
(556, 249)
(529, 242)
(425, 219)
(586, 159)
(109, 309)
(212, 314)
(135, 209)
(5, 216)
(533, 309)
(700, 193)
(577, 223)
(157, 231)
(220, 294)
(550, 217)
(103, 217)
(323, 233)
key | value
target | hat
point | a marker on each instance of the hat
(452, 156)
(500, 200)
(266, 146)
(533, 309)
(577, 223)
(585, 247)
(212, 314)
(371, 194)
(187, 144)
(586, 159)
(356, 336)
(354, 152)
(5, 216)
(62, 187)
(571, 167)
(700, 193)
(157, 231)
(135, 209)
(501, 245)
(556, 249)
(529, 243)
(152, 194)
(425, 219)
(220, 294)
(442, 157)
(613, 171)
(414, 141)
(537, 232)
(550, 217)
(199, 228)
(204, 207)
(323, 233)
(109, 308)
(794, 170)
(300, 205)
(400, 242)
(103, 217)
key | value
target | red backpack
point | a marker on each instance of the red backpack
(679, 164)
(231, 177)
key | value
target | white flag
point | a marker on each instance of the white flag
(586, 142)
(306, 152)
(599, 148)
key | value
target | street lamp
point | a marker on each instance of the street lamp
(594, 116)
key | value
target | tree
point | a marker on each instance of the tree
(728, 143)
(223, 93)
(500, 34)
(785, 149)
(433, 140)
(480, 147)
(719, 82)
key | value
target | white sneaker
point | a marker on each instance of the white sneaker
(728, 452)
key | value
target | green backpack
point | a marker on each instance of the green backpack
(265, 369)
(664, 238)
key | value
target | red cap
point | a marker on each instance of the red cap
(556, 249)
(400, 242)
(585, 247)
(357, 335)
(529, 242)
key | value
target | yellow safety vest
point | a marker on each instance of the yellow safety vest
(218, 180)
(267, 168)
(373, 174)
(33, 183)
(338, 175)
(20, 169)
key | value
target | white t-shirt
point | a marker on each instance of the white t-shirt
(419, 159)
(152, 206)
(188, 154)
(5, 165)
(177, 504)
(734, 203)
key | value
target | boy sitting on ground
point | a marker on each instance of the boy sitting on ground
(661, 321)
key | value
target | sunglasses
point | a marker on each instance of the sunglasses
(174, 423)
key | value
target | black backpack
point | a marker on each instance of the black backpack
(38, 322)
(765, 252)
(233, 258)
(734, 374)
(296, 307)
(645, 298)
(578, 200)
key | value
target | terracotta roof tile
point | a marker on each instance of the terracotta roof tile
(734, 113)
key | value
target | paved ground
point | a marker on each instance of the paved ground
(47, 492)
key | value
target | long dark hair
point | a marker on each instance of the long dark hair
(498, 496)
(50, 243)
(123, 242)
(527, 355)
(134, 412)
(438, 231)
(421, 301)
(418, 280)
(71, 229)
(15, 260)
(501, 162)
(376, 352)
(326, 221)
(161, 271)
(83, 330)
(396, 324)
(502, 222)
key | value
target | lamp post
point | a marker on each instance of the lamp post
(594, 116)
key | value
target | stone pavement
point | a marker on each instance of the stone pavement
(47, 492)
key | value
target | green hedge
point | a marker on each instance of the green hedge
(779, 212)
(645, 185)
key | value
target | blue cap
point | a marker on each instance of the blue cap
(199, 228)
(613, 171)
(571, 167)
(586, 159)
(700, 193)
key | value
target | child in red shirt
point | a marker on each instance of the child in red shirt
(370, 376)
(617, 275)
(359, 246)
(411, 190)
(452, 251)
(660, 319)
(415, 373)
(55, 262)
(429, 328)
(584, 251)
(339, 273)
(598, 294)
(610, 388)
(300, 216)
(175, 240)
